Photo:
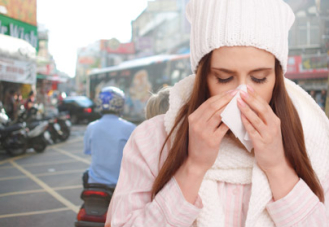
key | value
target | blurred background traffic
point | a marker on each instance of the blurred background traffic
(150, 52)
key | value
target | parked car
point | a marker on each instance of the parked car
(80, 109)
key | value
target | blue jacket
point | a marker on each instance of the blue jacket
(104, 140)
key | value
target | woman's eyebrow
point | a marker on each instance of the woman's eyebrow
(233, 72)
(224, 70)
(261, 69)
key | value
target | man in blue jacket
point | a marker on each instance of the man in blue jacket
(105, 139)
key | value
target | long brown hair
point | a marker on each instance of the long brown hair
(291, 128)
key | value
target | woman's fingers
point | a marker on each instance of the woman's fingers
(211, 106)
(253, 119)
(253, 133)
(215, 105)
(216, 119)
(258, 105)
(221, 131)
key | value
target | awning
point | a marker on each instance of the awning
(54, 78)
(16, 49)
(17, 60)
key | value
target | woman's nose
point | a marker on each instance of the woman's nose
(243, 80)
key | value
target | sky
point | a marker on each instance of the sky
(77, 23)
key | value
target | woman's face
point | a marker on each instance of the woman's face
(233, 66)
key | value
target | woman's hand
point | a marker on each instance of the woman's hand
(264, 129)
(205, 135)
(206, 131)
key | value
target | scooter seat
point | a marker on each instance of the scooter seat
(102, 186)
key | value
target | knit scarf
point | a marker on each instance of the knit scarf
(237, 166)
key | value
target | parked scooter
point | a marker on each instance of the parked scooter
(13, 138)
(64, 122)
(59, 127)
(93, 211)
(37, 137)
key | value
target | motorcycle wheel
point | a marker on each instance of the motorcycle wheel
(39, 146)
(19, 147)
(65, 134)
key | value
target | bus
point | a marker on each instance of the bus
(139, 78)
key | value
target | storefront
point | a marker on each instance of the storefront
(17, 66)
(311, 73)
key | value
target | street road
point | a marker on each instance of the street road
(43, 189)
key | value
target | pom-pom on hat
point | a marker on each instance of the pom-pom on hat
(263, 24)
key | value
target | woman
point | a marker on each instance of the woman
(185, 168)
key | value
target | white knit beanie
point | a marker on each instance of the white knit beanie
(263, 24)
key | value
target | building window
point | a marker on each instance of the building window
(305, 32)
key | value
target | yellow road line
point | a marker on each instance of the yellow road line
(12, 178)
(22, 192)
(80, 138)
(41, 164)
(60, 172)
(72, 155)
(34, 212)
(51, 191)
(49, 163)
(16, 158)
(41, 190)
(45, 174)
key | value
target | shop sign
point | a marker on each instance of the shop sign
(112, 47)
(18, 29)
(17, 71)
(21, 10)
(315, 63)
(306, 64)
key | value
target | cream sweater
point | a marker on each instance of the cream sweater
(235, 165)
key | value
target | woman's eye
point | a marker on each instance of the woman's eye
(259, 81)
(223, 81)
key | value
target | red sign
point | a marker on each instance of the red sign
(86, 60)
(120, 48)
(308, 67)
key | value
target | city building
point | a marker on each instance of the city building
(19, 43)
(161, 28)
(308, 47)
(100, 54)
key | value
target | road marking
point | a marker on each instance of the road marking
(41, 164)
(72, 155)
(12, 178)
(22, 192)
(45, 174)
(16, 158)
(80, 138)
(41, 190)
(60, 172)
(51, 191)
(34, 212)
(48, 163)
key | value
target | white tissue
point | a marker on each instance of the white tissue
(231, 116)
